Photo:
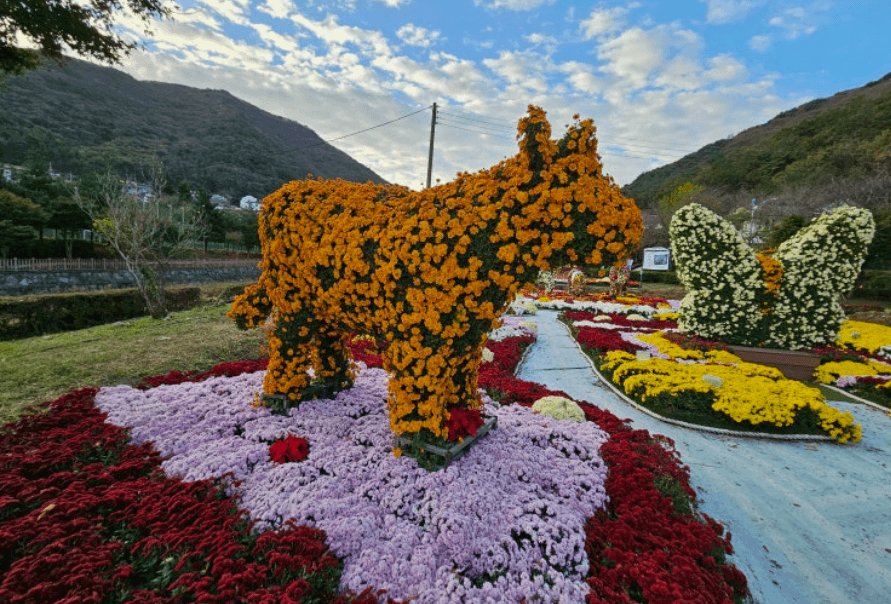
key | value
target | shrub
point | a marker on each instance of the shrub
(50, 313)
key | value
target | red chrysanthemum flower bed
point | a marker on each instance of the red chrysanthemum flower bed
(85, 517)
(289, 449)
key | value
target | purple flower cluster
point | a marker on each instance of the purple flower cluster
(503, 523)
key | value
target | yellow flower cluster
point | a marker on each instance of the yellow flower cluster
(828, 373)
(748, 393)
(429, 271)
(772, 275)
(868, 337)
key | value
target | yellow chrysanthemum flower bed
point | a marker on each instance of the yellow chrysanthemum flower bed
(868, 337)
(750, 393)
(827, 373)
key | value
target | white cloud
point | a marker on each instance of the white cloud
(332, 33)
(417, 36)
(394, 3)
(760, 43)
(581, 77)
(647, 82)
(633, 55)
(725, 67)
(603, 21)
(726, 11)
(234, 11)
(279, 9)
(517, 5)
(795, 22)
(525, 70)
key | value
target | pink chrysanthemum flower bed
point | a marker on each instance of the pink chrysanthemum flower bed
(506, 519)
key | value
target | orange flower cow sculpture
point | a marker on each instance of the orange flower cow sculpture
(430, 272)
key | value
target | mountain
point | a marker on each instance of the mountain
(81, 116)
(846, 137)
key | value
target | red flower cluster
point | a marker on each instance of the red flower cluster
(223, 369)
(84, 517)
(289, 449)
(598, 340)
(463, 422)
(366, 351)
(497, 377)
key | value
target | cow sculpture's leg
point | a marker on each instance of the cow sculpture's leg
(331, 359)
(425, 382)
(290, 357)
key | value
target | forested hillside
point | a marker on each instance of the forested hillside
(846, 137)
(82, 117)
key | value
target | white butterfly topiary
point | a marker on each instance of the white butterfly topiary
(787, 300)
(559, 407)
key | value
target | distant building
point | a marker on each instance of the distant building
(140, 191)
(7, 174)
(219, 202)
(249, 202)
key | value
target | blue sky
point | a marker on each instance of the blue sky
(660, 79)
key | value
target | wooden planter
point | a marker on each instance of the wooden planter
(794, 364)
(447, 456)
(280, 404)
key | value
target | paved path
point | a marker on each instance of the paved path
(811, 522)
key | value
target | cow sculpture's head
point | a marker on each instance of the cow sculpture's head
(552, 203)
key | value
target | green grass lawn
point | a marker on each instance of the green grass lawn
(43, 368)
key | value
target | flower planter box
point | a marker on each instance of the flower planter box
(280, 404)
(794, 364)
(456, 450)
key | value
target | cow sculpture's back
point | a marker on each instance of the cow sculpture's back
(430, 272)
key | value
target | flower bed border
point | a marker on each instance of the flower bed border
(723, 431)
(859, 399)
(456, 451)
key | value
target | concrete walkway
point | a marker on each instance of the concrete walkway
(811, 522)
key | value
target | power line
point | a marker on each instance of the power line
(460, 116)
(475, 131)
(331, 140)
(480, 126)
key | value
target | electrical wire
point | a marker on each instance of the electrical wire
(331, 140)
(460, 116)
(475, 131)
(494, 129)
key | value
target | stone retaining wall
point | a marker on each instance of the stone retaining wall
(18, 283)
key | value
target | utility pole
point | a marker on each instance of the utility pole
(430, 156)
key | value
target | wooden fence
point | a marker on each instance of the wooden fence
(104, 264)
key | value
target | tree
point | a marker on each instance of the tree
(679, 197)
(19, 218)
(68, 218)
(21, 211)
(145, 234)
(214, 223)
(13, 235)
(55, 26)
(784, 229)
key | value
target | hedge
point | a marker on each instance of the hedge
(656, 277)
(873, 284)
(26, 316)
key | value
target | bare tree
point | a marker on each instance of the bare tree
(143, 231)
